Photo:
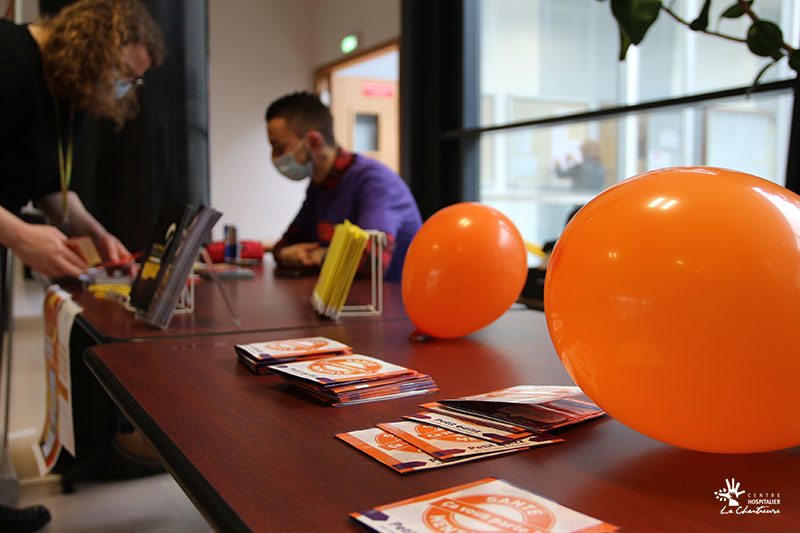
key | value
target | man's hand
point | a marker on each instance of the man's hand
(318, 255)
(301, 254)
(44, 249)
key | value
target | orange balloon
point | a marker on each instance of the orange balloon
(464, 268)
(672, 301)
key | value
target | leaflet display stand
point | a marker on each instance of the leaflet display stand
(342, 260)
(377, 240)
(183, 306)
(159, 287)
(185, 303)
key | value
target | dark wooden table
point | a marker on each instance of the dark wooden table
(255, 454)
(261, 303)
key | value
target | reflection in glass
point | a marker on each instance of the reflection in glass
(537, 176)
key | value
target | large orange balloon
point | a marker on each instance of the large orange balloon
(464, 268)
(672, 299)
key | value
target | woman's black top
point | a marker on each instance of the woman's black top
(28, 140)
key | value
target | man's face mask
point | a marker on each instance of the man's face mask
(289, 167)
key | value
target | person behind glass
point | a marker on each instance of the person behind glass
(87, 59)
(548, 246)
(343, 185)
(589, 175)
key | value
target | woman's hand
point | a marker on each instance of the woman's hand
(109, 247)
(44, 249)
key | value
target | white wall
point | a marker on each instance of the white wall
(26, 10)
(375, 21)
(259, 51)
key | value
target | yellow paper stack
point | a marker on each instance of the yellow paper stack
(339, 269)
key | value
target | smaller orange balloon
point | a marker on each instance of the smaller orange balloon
(464, 268)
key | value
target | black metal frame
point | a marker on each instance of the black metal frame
(618, 111)
(430, 67)
(793, 159)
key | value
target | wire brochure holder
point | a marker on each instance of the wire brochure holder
(159, 291)
(185, 303)
(339, 269)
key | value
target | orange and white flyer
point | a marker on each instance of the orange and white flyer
(466, 427)
(527, 394)
(384, 395)
(58, 432)
(534, 407)
(399, 387)
(486, 506)
(445, 445)
(341, 369)
(397, 454)
(471, 416)
(354, 378)
(412, 377)
(291, 349)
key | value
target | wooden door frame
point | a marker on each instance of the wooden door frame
(322, 76)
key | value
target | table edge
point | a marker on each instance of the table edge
(194, 484)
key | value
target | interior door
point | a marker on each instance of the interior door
(365, 117)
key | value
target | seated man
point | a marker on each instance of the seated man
(343, 185)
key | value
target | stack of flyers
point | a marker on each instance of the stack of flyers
(490, 504)
(354, 378)
(408, 446)
(516, 409)
(339, 268)
(447, 445)
(259, 356)
(473, 429)
(398, 454)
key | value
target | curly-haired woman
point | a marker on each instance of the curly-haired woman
(87, 59)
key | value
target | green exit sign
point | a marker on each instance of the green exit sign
(349, 44)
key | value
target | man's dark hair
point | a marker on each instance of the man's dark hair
(303, 112)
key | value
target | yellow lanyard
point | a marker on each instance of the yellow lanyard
(64, 164)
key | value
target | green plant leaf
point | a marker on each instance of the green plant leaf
(735, 11)
(794, 60)
(624, 44)
(635, 17)
(701, 22)
(765, 38)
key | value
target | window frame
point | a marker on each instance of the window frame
(440, 105)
